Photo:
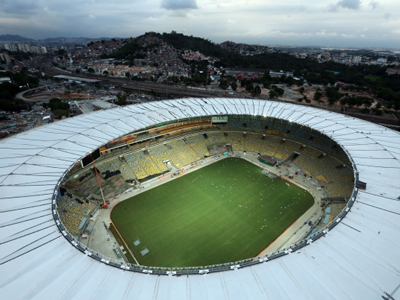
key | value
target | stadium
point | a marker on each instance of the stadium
(68, 183)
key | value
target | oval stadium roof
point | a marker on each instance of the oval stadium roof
(358, 259)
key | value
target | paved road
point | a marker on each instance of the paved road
(21, 94)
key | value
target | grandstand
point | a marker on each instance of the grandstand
(192, 147)
(356, 259)
(74, 213)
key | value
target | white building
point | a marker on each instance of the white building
(280, 73)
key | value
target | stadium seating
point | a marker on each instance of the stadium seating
(187, 149)
(184, 152)
(159, 154)
(215, 137)
(72, 211)
(141, 164)
(237, 141)
(196, 141)
(285, 149)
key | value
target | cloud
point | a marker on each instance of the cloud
(178, 4)
(301, 8)
(332, 7)
(20, 7)
(349, 4)
(374, 4)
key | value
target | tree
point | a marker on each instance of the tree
(249, 87)
(317, 96)
(280, 91)
(289, 81)
(223, 83)
(234, 85)
(121, 100)
(333, 95)
(7, 105)
(365, 110)
(257, 90)
(8, 90)
(91, 70)
(273, 94)
(275, 91)
(127, 75)
(301, 90)
(105, 73)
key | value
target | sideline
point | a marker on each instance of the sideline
(294, 232)
(261, 253)
(126, 245)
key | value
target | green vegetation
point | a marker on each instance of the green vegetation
(275, 91)
(8, 105)
(356, 101)
(21, 79)
(257, 90)
(317, 96)
(361, 77)
(333, 94)
(129, 51)
(224, 212)
(9, 90)
(183, 42)
(234, 85)
(121, 100)
(58, 108)
(372, 78)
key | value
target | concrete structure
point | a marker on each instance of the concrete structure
(5, 57)
(357, 257)
(88, 106)
(5, 79)
(72, 78)
(280, 73)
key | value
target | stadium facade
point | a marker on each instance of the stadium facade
(355, 258)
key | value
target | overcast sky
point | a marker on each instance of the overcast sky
(358, 23)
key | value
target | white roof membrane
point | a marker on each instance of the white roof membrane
(357, 259)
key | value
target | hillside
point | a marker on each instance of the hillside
(14, 38)
(73, 40)
(184, 42)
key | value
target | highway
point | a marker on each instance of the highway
(164, 90)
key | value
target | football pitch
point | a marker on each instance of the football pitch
(224, 212)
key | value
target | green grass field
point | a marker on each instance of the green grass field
(224, 212)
